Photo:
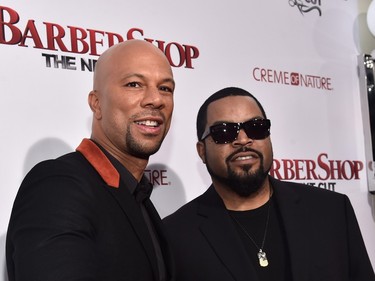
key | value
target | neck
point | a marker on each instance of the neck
(234, 202)
(134, 165)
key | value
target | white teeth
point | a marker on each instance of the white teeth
(244, 157)
(148, 123)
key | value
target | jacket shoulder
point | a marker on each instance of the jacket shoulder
(313, 197)
(68, 164)
(189, 210)
(303, 189)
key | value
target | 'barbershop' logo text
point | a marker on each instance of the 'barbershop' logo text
(321, 169)
(305, 6)
(292, 78)
(82, 41)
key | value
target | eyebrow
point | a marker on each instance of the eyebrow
(141, 76)
(225, 121)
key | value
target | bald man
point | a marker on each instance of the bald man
(87, 215)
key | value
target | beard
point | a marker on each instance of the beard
(138, 149)
(246, 183)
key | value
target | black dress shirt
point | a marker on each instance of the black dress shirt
(141, 192)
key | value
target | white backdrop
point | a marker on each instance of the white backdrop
(299, 60)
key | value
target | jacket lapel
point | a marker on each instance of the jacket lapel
(217, 221)
(296, 225)
(121, 195)
(133, 212)
(166, 250)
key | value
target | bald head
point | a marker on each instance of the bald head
(119, 54)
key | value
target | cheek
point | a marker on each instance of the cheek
(215, 158)
(168, 109)
(268, 155)
(116, 118)
(121, 110)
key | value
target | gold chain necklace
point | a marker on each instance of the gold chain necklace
(263, 261)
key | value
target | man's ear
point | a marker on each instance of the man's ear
(94, 104)
(201, 149)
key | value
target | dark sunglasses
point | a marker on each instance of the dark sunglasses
(256, 129)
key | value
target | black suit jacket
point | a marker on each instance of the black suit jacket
(323, 236)
(74, 219)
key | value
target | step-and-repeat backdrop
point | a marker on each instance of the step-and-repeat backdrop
(299, 57)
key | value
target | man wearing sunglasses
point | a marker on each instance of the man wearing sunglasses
(250, 226)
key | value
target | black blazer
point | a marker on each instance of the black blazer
(73, 219)
(325, 243)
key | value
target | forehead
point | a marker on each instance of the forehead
(139, 62)
(233, 109)
(126, 61)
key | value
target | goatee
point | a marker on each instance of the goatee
(246, 183)
(137, 149)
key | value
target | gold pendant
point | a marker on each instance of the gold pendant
(262, 258)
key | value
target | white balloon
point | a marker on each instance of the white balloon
(371, 17)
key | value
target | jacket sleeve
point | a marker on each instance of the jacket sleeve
(51, 231)
(360, 265)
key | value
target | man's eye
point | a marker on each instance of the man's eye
(166, 89)
(132, 84)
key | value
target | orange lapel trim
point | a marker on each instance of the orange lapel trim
(100, 162)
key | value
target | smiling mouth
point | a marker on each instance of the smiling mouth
(241, 158)
(148, 123)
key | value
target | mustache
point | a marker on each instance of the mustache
(244, 149)
(149, 112)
